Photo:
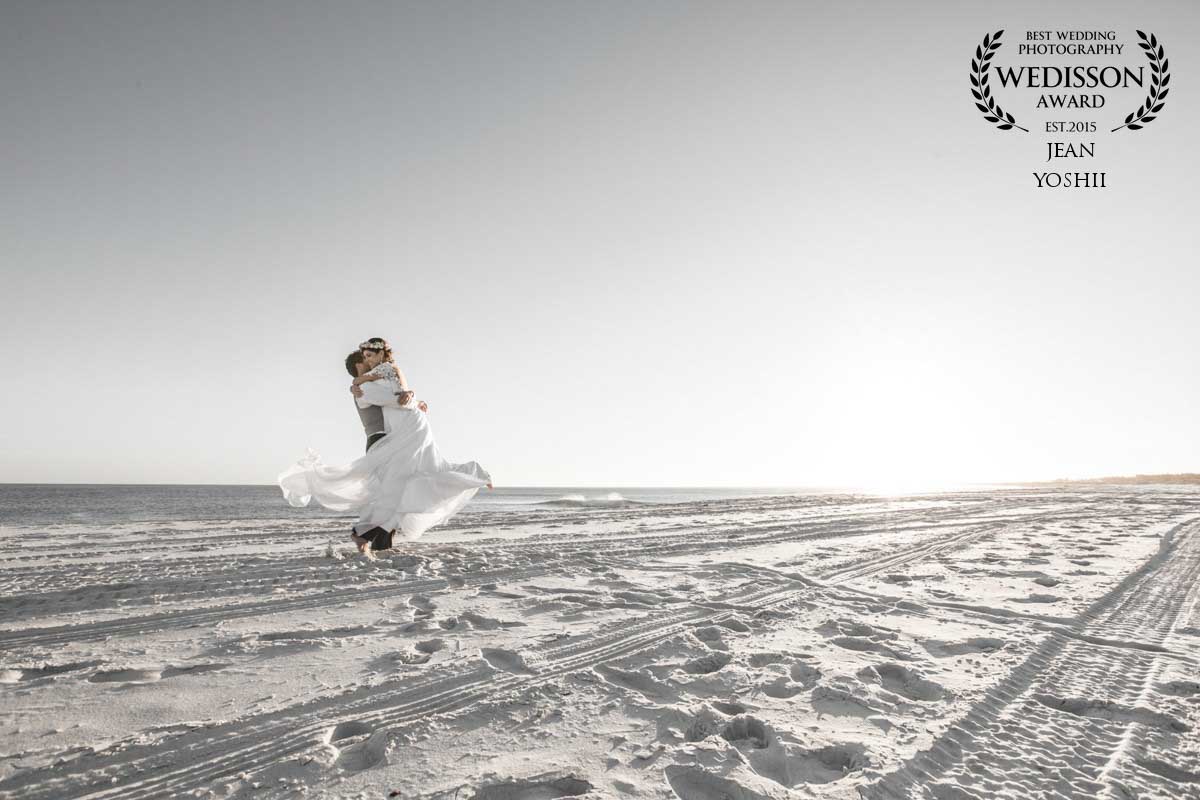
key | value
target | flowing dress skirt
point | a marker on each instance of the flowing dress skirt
(401, 484)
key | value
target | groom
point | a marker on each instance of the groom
(370, 398)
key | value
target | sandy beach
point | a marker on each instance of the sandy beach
(1014, 643)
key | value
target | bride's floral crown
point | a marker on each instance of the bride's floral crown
(373, 344)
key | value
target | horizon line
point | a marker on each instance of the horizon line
(844, 485)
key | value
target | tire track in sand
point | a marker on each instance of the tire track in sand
(183, 762)
(1075, 719)
(546, 556)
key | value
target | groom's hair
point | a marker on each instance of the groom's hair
(352, 361)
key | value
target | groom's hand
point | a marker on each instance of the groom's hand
(421, 405)
(403, 397)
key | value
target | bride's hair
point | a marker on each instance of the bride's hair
(378, 344)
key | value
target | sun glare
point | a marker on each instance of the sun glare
(901, 425)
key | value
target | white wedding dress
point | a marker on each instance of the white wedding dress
(401, 484)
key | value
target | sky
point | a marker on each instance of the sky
(622, 244)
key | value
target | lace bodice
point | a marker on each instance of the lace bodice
(385, 371)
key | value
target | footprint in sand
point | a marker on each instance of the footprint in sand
(861, 645)
(20, 674)
(760, 660)
(315, 635)
(712, 636)
(789, 765)
(846, 627)
(708, 663)
(533, 789)
(421, 605)
(781, 688)
(697, 724)
(469, 620)
(506, 660)
(642, 598)
(389, 662)
(903, 681)
(1038, 598)
(805, 675)
(151, 675)
(846, 697)
(359, 746)
(976, 644)
(195, 669)
(494, 590)
(126, 676)
(694, 783)
(347, 730)
(744, 728)
(642, 682)
(797, 766)
(487, 623)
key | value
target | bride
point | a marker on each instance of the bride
(402, 484)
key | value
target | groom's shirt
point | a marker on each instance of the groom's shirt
(375, 395)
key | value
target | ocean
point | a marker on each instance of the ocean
(30, 505)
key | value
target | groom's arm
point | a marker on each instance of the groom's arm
(376, 393)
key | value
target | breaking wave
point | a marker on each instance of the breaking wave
(610, 500)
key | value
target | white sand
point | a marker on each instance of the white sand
(1012, 644)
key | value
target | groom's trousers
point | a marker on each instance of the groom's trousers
(379, 538)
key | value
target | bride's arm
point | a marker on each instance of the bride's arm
(404, 395)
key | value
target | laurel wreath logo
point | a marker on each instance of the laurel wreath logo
(979, 84)
(1159, 78)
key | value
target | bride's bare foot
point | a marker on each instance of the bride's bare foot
(364, 545)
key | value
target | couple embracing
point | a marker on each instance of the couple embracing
(402, 485)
